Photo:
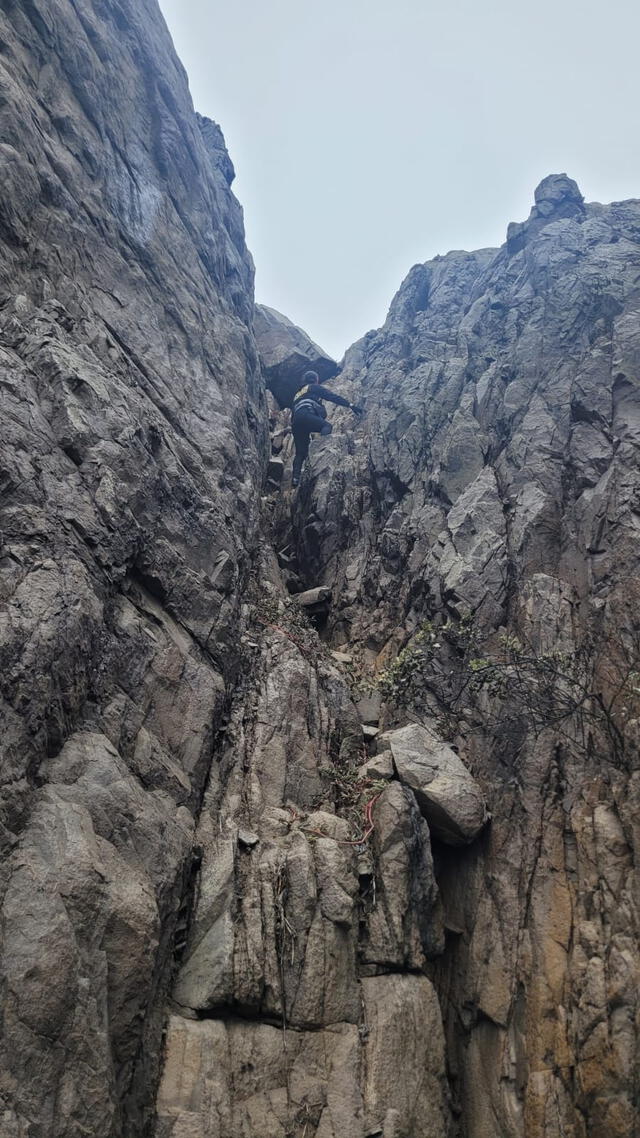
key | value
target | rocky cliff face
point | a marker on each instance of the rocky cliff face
(250, 885)
(133, 443)
(485, 520)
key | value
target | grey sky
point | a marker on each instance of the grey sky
(368, 135)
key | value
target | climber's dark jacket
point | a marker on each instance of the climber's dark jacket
(309, 417)
(310, 398)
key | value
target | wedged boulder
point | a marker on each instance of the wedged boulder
(449, 797)
(286, 352)
(311, 597)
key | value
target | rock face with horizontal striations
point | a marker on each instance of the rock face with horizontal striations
(221, 916)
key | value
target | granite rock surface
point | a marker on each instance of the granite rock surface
(480, 529)
(133, 449)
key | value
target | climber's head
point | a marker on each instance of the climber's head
(310, 377)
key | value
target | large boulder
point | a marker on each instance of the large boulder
(449, 797)
(286, 352)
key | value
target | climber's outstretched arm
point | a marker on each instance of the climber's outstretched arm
(317, 391)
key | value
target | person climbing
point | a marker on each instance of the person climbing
(309, 417)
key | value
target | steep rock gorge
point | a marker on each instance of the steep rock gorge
(221, 915)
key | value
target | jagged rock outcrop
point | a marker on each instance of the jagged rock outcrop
(296, 977)
(238, 1078)
(483, 519)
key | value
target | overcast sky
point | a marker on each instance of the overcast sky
(368, 135)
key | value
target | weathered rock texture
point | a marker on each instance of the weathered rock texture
(132, 450)
(493, 491)
(450, 799)
(175, 743)
(197, 845)
(295, 989)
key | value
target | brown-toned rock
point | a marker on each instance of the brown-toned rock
(404, 918)
(225, 1078)
(275, 932)
(189, 840)
(402, 1017)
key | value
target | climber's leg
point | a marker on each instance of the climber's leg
(302, 449)
(305, 424)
